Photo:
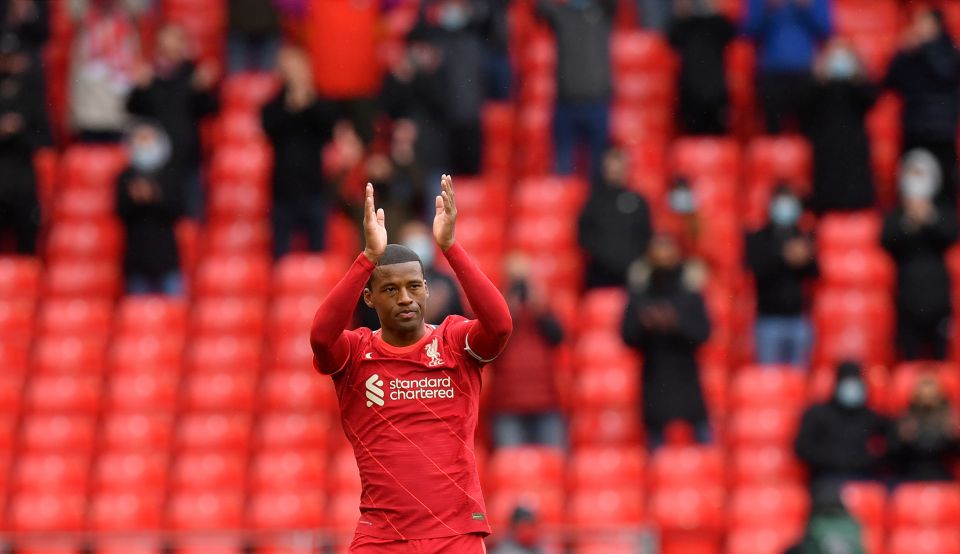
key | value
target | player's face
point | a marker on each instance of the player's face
(399, 294)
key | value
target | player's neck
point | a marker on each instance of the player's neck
(399, 339)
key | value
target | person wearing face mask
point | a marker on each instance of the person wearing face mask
(842, 439)
(925, 73)
(525, 404)
(917, 235)
(783, 263)
(149, 203)
(834, 120)
(927, 436)
(614, 227)
(666, 322)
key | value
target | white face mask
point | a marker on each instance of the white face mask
(682, 201)
(917, 187)
(851, 393)
(841, 65)
(785, 211)
(150, 157)
(424, 248)
(454, 17)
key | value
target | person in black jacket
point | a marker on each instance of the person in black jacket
(614, 228)
(666, 322)
(177, 93)
(700, 35)
(927, 436)
(149, 203)
(842, 439)
(298, 125)
(926, 74)
(782, 259)
(23, 126)
(917, 234)
(834, 119)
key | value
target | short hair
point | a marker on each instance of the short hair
(396, 254)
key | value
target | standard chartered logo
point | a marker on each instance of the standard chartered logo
(408, 389)
(374, 391)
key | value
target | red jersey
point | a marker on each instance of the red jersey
(411, 412)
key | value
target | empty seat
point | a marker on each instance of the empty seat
(679, 466)
(148, 314)
(602, 347)
(694, 157)
(294, 429)
(222, 389)
(143, 390)
(233, 275)
(127, 545)
(86, 166)
(238, 126)
(291, 509)
(546, 503)
(605, 427)
(292, 314)
(857, 268)
(761, 465)
(207, 470)
(906, 376)
(344, 475)
(80, 317)
(291, 351)
(867, 502)
(205, 510)
(83, 204)
(82, 279)
(782, 158)
(853, 231)
(95, 239)
(924, 541)
(549, 195)
(764, 426)
(602, 309)
(47, 511)
(769, 505)
(771, 539)
(19, 277)
(237, 237)
(526, 467)
(131, 470)
(289, 468)
(52, 472)
(155, 352)
(689, 508)
(611, 509)
(64, 392)
(297, 389)
(308, 274)
(58, 432)
(759, 386)
(224, 352)
(126, 510)
(16, 319)
(598, 466)
(69, 354)
(238, 199)
(137, 430)
(926, 505)
(343, 510)
(247, 91)
(213, 430)
(250, 161)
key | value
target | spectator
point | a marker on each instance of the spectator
(926, 74)
(839, 440)
(783, 262)
(149, 203)
(700, 35)
(525, 403)
(830, 528)
(497, 40)
(22, 123)
(27, 24)
(614, 228)
(584, 84)
(917, 234)
(834, 120)
(253, 35)
(523, 536)
(666, 322)
(177, 93)
(103, 66)
(298, 125)
(787, 33)
(927, 436)
(398, 177)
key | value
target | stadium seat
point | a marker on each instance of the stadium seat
(233, 275)
(605, 427)
(297, 389)
(632, 51)
(680, 466)
(82, 279)
(602, 347)
(291, 509)
(906, 376)
(149, 314)
(344, 474)
(771, 386)
(594, 467)
(135, 469)
(239, 236)
(205, 510)
(208, 470)
(292, 313)
(773, 539)
(126, 510)
(143, 390)
(240, 200)
(84, 204)
(248, 161)
(63, 393)
(343, 510)
(237, 127)
(51, 472)
(599, 386)
(293, 429)
(547, 231)
(19, 277)
(128, 545)
(769, 505)
(8, 434)
(246, 92)
(228, 315)
(17, 319)
(97, 167)
(857, 268)
(69, 354)
(14, 355)
(58, 432)
(688, 508)
(765, 465)
(853, 231)
(308, 274)
(90, 240)
(528, 467)
(11, 389)
(696, 157)
(137, 430)
(610, 509)
(213, 430)
(43, 512)
(782, 158)
(292, 351)
(223, 389)
(924, 541)
(763, 426)
(77, 317)
(926, 505)
(549, 195)
(147, 352)
(47, 546)
(867, 502)
(546, 503)
(602, 310)
(289, 468)
(241, 353)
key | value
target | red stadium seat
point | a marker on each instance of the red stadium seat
(548, 231)
(292, 314)
(605, 427)
(8, 428)
(680, 466)
(233, 276)
(546, 503)
(249, 161)
(289, 468)
(47, 512)
(906, 376)
(246, 92)
(602, 347)
(343, 510)
(857, 268)
(241, 236)
(51, 472)
(854, 231)
(926, 505)
(689, 508)
(769, 505)
(131, 470)
(549, 195)
(772, 386)
(84, 204)
(214, 430)
(82, 279)
(344, 474)
(602, 310)
(19, 277)
(210, 545)
(527, 467)
(128, 546)
(237, 127)
(132, 430)
(696, 157)
(208, 470)
(867, 502)
(148, 314)
(773, 539)
(85, 166)
(765, 465)
(17, 319)
(597, 466)
(69, 354)
(11, 388)
(924, 541)
(149, 351)
(47, 546)
(308, 274)
(241, 353)
(292, 351)
(293, 429)
(636, 50)
(143, 390)
(207, 510)
(126, 510)
(58, 432)
(89, 240)
(292, 509)
(78, 317)
(63, 393)
(764, 426)
(14, 355)
(229, 315)
(606, 386)
(224, 389)
(242, 200)
(605, 510)
(297, 389)
(782, 158)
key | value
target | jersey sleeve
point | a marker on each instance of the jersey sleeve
(330, 340)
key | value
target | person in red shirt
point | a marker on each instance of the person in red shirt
(410, 393)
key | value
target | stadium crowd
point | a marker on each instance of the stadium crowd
(725, 231)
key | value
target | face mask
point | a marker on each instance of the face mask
(917, 187)
(851, 393)
(681, 200)
(423, 247)
(841, 65)
(785, 211)
(453, 17)
(149, 157)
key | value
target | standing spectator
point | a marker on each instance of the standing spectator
(525, 402)
(497, 41)
(103, 66)
(838, 440)
(524, 534)
(253, 35)
(398, 177)
(927, 436)
(177, 93)
(700, 35)
(666, 322)
(22, 124)
(917, 234)
(27, 22)
(782, 259)
(614, 228)
(149, 203)
(298, 125)
(787, 33)
(835, 122)
(926, 74)
(584, 83)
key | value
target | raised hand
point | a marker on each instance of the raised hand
(446, 218)
(374, 231)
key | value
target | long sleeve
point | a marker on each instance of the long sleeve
(630, 329)
(329, 337)
(816, 17)
(493, 324)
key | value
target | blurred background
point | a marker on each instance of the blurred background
(725, 228)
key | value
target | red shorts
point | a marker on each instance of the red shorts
(457, 544)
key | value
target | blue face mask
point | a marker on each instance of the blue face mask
(841, 65)
(454, 17)
(785, 211)
(851, 393)
(682, 201)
